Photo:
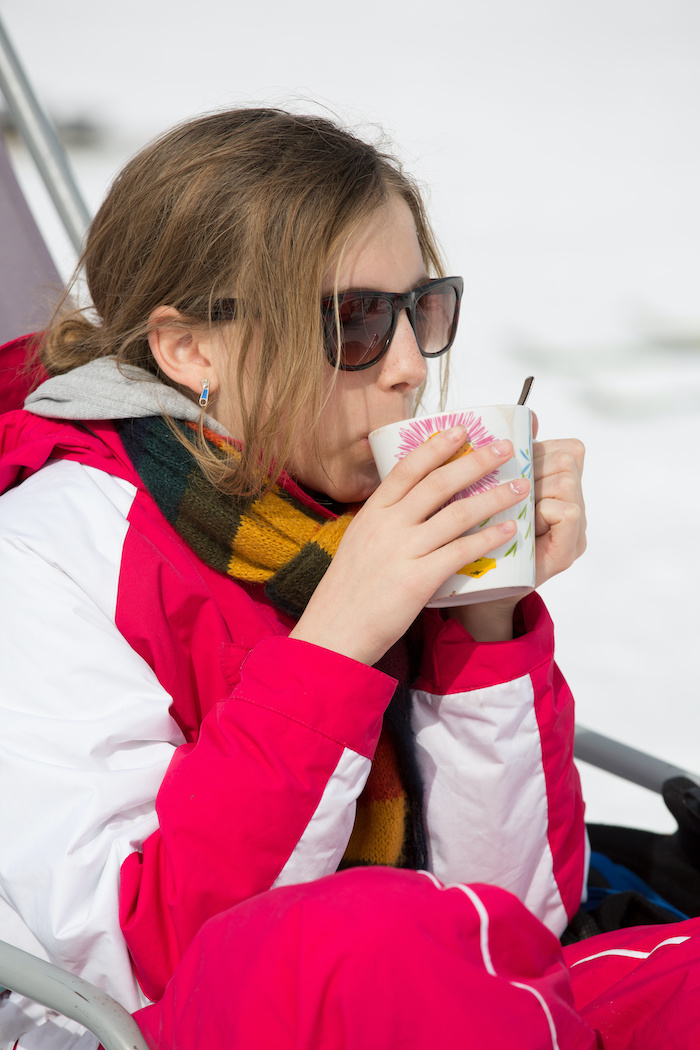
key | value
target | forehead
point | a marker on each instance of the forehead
(384, 254)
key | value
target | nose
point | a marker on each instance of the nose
(403, 367)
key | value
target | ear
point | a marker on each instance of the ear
(182, 352)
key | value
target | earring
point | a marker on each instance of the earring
(204, 399)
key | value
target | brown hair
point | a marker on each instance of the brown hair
(253, 203)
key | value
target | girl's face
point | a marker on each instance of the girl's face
(385, 256)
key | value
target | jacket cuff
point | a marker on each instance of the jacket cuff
(329, 693)
(454, 662)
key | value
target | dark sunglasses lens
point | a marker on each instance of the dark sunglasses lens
(435, 318)
(364, 324)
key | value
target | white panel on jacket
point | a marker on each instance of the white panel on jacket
(86, 732)
(320, 849)
(485, 794)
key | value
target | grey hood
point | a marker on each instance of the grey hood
(101, 390)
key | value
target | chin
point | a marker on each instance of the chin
(355, 491)
(350, 483)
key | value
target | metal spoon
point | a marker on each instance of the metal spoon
(525, 392)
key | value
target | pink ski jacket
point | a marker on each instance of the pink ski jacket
(168, 752)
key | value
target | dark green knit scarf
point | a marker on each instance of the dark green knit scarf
(285, 546)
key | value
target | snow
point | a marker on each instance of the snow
(560, 144)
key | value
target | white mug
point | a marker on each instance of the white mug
(508, 571)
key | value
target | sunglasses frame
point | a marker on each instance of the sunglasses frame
(227, 310)
(399, 301)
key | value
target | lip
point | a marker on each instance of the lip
(389, 423)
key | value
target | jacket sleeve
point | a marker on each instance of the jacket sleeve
(105, 807)
(86, 735)
(494, 725)
(265, 797)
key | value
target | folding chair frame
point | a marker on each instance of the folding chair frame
(69, 995)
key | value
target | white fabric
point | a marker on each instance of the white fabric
(320, 849)
(32, 1027)
(107, 737)
(485, 794)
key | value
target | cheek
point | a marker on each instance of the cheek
(344, 467)
(336, 423)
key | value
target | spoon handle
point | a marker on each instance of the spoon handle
(525, 392)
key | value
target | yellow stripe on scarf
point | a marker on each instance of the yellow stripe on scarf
(270, 534)
(330, 534)
(378, 832)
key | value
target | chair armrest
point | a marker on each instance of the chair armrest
(71, 996)
(626, 762)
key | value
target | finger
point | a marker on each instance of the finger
(572, 448)
(565, 522)
(571, 445)
(535, 424)
(547, 517)
(413, 467)
(440, 468)
(558, 477)
(463, 514)
(457, 476)
(463, 550)
(565, 486)
(558, 548)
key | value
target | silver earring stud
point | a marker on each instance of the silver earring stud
(204, 399)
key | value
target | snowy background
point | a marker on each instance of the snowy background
(560, 141)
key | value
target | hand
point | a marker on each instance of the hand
(404, 542)
(560, 533)
(560, 516)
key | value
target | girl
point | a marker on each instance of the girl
(240, 762)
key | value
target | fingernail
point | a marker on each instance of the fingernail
(501, 448)
(507, 526)
(457, 433)
(520, 486)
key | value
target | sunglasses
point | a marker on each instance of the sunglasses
(359, 334)
(359, 325)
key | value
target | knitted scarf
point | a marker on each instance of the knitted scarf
(285, 546)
